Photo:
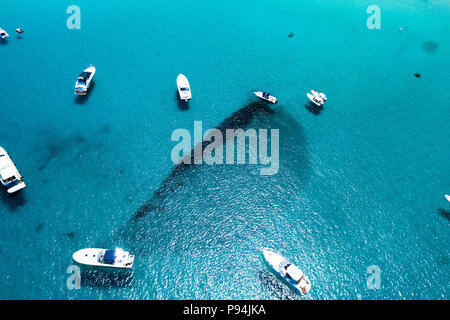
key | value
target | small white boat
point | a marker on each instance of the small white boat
(266, 96)
(292, 275)
(447, 197)
(184, 89)
(109, 258)
(3, 34)
(9, 175)
(318, 98)
(19, 30)
(84, 81)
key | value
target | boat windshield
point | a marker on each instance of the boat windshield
(184, 89)
(109, 256)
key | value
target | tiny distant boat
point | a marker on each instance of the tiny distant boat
(318, 98)
(184, 89)
(447, 197)
(9, 175)
(266, 96)
(19, 30)
(3, 34)
(292, 275)
(84, 81)
(108, 258)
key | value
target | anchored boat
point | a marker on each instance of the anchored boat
(318, 98)
(266, 96)
(9, 175)
(3, 34)
(84, 81)
(292, 275)
(184, 89)
(108, 258)
(447, 197)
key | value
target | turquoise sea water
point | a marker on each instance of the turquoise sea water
(360, 183)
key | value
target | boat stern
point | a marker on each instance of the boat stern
(17, 187)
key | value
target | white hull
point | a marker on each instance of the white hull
(317, 101)
(81, 88)
(184, 89)
(3, 34)
(275, 260)
(447, 197)
(90, 257)
(10, 177)
(270, 98)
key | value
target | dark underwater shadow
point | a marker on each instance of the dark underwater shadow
(83, 99)
(182, 105)
(19, 37)
(444, 213)
(276, 285)
(313, 108)
(106, 278)
(175, 217)
(3, 42)
(13, 201)
(239, 119)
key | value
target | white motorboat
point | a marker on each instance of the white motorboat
(266, 96)
(292, 275)
(3, 34)
(447, 197)
(184, 89)
(19, 30)
(318, 98)
(109, 258)
(84, 81)
(9, 175)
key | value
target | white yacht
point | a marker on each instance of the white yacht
(184, 89)
(318, 98)
(84, 81)
(9, 175)
(447, 197)
(292, 275)
(266, 96)
(109, 258)
(3, 34)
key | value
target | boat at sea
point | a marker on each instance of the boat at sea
(84, 80)
(447, 197)
(3, 34)
(318, 98)
(266, 96)
(108, 258)
(290, 273)
(184, 89)
(19, 30)
(10, 177)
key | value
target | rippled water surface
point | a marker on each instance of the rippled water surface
(361, 182)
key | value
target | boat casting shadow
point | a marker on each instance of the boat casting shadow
(182, 105)
(83, 99)
(13, 201)
(313, 108)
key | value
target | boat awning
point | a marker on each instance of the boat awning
(7, 172)
(109, 256)
(295, 273)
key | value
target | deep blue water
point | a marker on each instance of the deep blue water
(361, 182)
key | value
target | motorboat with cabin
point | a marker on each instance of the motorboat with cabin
(318, 98)
(84, 81)
(184, 89)
(3, 34)
(10, 177)
(108, 258)
(266, 96)
(290, 273)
